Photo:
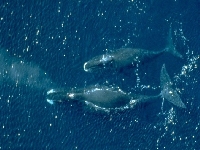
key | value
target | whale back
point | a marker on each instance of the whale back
(106, 97)
(130, 57)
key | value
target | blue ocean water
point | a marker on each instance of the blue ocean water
(44, 45)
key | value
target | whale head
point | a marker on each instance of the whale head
(59, 95)
(97, 63)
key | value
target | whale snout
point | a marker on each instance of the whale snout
(85, 67)
(97, 63)
(92, 65)
(58, 95)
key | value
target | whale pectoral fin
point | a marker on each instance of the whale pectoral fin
(168, 92)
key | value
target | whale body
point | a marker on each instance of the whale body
(121, 58)
(110, 97)
(101, 96)
(128, 57)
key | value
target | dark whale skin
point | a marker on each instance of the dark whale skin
(129, 57)
(103, 96)
(106, 97)
(121, 58)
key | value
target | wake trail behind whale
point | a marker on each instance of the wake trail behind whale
(16, 71)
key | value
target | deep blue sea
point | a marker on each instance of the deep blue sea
(44, 44)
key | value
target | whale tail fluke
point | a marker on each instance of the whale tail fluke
(167, 92)
(170, 46)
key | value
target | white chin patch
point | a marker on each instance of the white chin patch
(50, 91)
(50, 101)
(85, 68)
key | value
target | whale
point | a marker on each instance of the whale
(100, 96)
(114, 97)
(128, 58)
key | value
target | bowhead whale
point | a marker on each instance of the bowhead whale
(107, 97)
(127, 57)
